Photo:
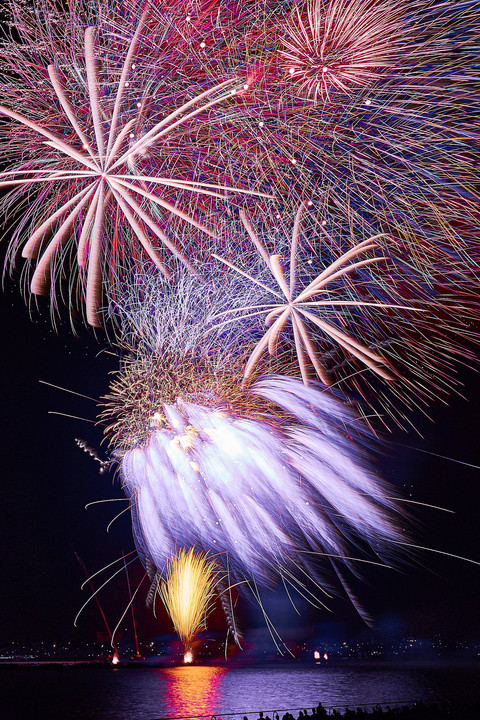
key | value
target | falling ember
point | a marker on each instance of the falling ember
(313, 470)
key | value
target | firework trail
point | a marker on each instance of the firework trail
(131, 130)
(310, 167)
(269, 498)
(187, 591)
(335, 46)
(101, 173)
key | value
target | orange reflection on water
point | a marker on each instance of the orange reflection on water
(193, 690)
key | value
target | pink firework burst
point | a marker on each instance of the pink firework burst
(299, 309)
(337, 44)
(98, 153)
(126, 131)
(360, 318)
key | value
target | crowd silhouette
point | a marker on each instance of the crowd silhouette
(416, 711)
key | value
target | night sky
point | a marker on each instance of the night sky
(47, 481)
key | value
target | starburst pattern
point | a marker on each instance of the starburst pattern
(383, 93)
(336, 45)
(95, 169)
(296, 308)
(339, 44)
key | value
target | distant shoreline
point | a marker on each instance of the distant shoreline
(440, 663)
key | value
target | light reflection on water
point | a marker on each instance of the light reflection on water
(192, 690)
(247, 690)
(102, 693)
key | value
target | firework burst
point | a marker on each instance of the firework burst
(296, 308)
(99, 156)
(335, 46)
(187, 591)
(167, 353)
(356, 314)
(132, 131)
(379, 97)
(206, 478)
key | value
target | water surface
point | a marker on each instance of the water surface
(104, 693)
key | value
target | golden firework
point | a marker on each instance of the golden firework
(146, 382)
(187, 590)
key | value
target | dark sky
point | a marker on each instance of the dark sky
(47, 480)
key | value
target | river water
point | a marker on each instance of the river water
(103, 693)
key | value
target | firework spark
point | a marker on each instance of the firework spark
(187, 591)
(339, 44)
(89, 155)
(265, 500)
(296, 308)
